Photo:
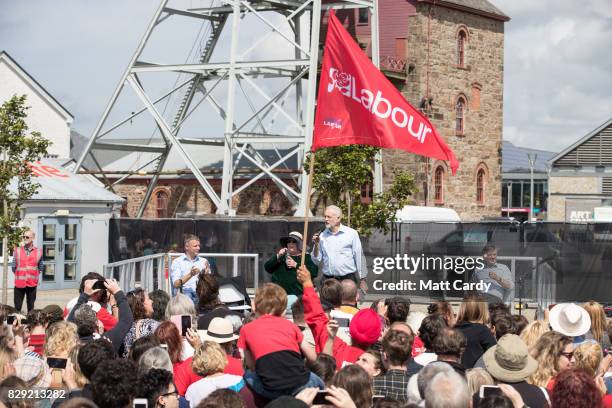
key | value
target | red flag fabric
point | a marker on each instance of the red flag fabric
(358, 105)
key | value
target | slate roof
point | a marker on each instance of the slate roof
(514, 158)
(482, 6)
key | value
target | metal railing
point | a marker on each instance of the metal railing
(152, 272)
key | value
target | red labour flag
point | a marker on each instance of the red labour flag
(358, 105)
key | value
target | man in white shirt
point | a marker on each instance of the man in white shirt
(337, 250)
(187, 266)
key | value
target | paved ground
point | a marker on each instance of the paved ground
(61, 297)
(48, 297)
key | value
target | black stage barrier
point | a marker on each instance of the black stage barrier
(549, 262)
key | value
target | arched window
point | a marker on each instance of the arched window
(480, 186)
(439, 185)
(161, 204)
(460, 115)
(461, 41)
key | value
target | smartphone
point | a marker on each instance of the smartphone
(343, 321)
(489, 390)
(319, 399)
(99, 285)
(10, 319)
(140, 403)
(185, 324)
(53, 362)
(182, 323)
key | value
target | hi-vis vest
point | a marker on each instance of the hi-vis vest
(26, 267)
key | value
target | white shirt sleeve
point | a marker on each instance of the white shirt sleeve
(175, 271)
(358, 256)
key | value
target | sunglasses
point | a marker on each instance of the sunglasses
(291, 241)
(27, 237)
(568, 355)
(175, 392)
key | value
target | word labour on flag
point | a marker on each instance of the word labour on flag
(358, 105)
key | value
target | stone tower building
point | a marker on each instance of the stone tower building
(447, 58)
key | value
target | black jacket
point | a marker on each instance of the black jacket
(479, 339)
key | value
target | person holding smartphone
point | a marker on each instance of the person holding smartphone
(100, 300)
(284, 264)
(187, 267)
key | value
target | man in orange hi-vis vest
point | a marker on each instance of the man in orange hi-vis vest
(27, 266)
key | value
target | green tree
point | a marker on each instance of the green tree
(17, 150)
(339, 174)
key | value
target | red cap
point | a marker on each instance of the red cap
(365, 327)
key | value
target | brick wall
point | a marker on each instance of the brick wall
(187, 197)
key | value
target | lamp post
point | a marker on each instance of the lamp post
(509, 198)
(532, 159)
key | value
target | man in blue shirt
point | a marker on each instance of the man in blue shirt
(337, 250)
(187, 266)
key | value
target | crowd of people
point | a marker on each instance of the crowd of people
(303, 342)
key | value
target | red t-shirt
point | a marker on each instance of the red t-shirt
(37, 341)
(184, 375)
(234, 366)
(268, 334)
(274, 342)
(418, 347)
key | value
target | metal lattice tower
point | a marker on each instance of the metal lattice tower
(248, 66)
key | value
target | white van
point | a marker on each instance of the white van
(415, 213)
(422, 225)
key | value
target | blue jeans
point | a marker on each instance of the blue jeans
(191, 293)
(257, 386)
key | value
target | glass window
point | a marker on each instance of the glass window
(69, 271)
(49, 272)
(480, 186)
(460, 115)
(364, 15)
(516, 194)
(461, 39)
(49, 232)
(161, 200)
(70, 252)
(439, 185)
(71, 232)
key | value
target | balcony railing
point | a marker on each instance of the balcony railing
(392, 63)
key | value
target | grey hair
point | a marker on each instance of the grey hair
(447, 390)
(191, 237)
(336, 209)
(180, 305)
(155, 357)
(430, 371)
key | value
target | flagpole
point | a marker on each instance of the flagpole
(307, 212)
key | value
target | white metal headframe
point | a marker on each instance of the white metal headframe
(263, 103)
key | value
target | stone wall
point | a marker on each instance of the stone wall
(561, 187)
(480, 82)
